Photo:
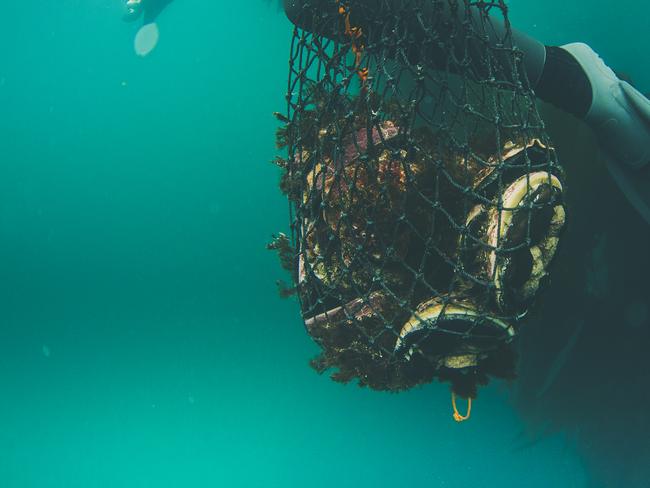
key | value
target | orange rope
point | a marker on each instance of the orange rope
(357, 47)
(457, 416)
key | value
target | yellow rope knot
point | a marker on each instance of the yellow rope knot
(457, 416)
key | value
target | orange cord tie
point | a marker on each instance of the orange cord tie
(457, 416)
(357, 48)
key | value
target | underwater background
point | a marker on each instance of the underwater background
(142, 339)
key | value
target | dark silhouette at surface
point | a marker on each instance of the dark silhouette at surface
(148, 9)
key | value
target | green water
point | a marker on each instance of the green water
(142, 341)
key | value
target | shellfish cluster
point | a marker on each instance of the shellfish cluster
(414, 260)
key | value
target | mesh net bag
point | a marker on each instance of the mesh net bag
(426, 201)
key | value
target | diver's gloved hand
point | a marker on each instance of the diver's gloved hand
(133, 10)
(620, 117)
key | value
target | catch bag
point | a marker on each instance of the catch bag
(426, 200)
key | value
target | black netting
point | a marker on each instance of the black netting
(425, 196)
